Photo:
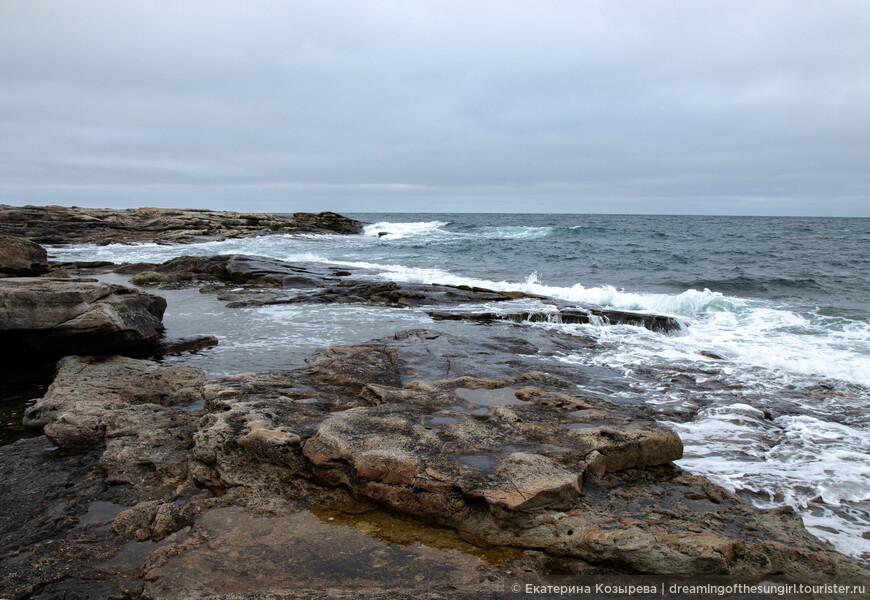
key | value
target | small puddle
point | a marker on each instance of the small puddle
(384, 525)
(443, 420)
(557, 449)
(574, 426)
(130, 558)
(480, 411)
(496, 397)
(588, 413)
(101, 512)
(20, 390)
(353, 546)
(520, 447)
(193, 407)
(482, 462)
(307, 401)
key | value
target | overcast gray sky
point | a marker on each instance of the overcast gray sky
(691, 107)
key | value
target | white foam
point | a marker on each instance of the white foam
(749, 333)
(396, 231)
(517, 232)
(688, 303)
(818, 466)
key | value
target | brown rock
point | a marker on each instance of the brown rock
(125, 408)
(54, 317)
(355, 366)
(153, 520)
(72, 225)
(532, 481)
(21, 258)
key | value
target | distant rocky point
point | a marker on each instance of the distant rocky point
(74, 225)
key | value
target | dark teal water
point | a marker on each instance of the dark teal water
(808, 261)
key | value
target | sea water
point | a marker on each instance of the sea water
(768, 384)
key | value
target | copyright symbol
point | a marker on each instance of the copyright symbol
(516, 588)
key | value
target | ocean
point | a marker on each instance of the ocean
(768, 383)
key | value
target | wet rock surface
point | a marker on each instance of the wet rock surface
(54, 317)
(73, 225)
(269, 281)
(156, 483)
(132, 410)
(660, 323)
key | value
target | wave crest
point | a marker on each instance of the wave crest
(397, 231)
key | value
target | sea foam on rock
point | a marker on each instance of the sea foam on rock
(271, 281)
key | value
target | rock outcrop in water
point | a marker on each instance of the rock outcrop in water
(73, 225)
(269, 281)
(54, 317)
(520, 461)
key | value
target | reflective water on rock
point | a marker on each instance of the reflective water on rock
(484, 397)
(390, 527)
(20, 390)
(485, 463)
(100, 512)
(307, 550)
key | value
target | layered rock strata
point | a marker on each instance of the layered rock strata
(54, 317)
(74, 225)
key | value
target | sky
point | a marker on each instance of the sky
(690, 107)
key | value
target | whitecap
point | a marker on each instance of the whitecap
(396, 231)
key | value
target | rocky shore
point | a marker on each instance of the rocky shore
(73, 225)
(151, 481)
(418, 465)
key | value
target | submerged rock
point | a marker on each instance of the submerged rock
(54, 317)
(574, 315)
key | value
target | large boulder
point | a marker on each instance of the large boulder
(56, 317)
(21, 258)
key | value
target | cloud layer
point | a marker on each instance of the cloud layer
(625, 106)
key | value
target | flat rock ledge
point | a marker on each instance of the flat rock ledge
(521, 462)
(50, 317)
(74, 225)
